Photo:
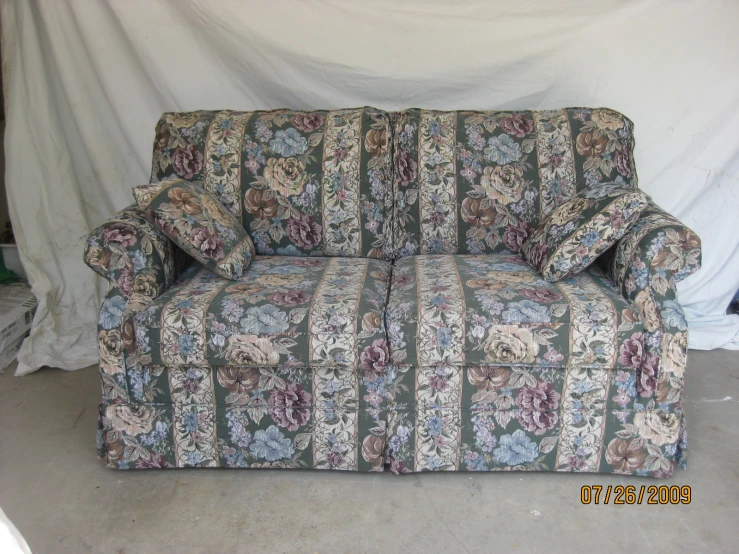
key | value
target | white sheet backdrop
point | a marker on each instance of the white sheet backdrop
(88, 79)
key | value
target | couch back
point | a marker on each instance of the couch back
(303, 183)
(463, 182)
(471, 182)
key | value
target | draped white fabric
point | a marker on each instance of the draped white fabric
(89, 79)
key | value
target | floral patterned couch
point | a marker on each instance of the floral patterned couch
(388, 320)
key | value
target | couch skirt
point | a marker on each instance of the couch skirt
(528, 418)
(319, 418)
(407, 419)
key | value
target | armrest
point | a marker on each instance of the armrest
(140, 263)
(658, 251)
(134, 256)
(645, 266)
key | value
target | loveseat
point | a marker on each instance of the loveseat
(388, 320)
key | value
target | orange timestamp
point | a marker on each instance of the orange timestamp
(619, 494)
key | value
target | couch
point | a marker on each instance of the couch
(388, 320)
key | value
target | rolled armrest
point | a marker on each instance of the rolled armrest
(658, 251)
(134, 256)
(645, 266)
(140, 263)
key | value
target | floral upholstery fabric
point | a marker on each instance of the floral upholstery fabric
(570, 238)
(495, 310)
(302, 183)
(249, 417)
(309, 395)
(306, 312)
(495, 368)
(452, 362)
(528, 418)
(134, 256)
(196, 222)
(646, 265)
(140, 263)
(478, 182)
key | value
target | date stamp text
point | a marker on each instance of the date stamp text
(644, 494)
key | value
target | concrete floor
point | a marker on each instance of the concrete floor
(63, 499)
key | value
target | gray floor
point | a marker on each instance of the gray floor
(64, 500)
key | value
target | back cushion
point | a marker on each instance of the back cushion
(303, 183)
(471, 182)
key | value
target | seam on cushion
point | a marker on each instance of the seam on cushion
(519, 325)
(291, 335)
(523, 366)
(304, 366)
(341, 409)
(413, 407)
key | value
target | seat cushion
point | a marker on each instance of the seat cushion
(284, 311)
(482, 310)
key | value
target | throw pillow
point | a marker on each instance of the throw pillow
(579, 230)
(196, 222)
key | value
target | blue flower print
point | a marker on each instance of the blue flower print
(289, 250)
(444, 336)
(555, 188)
(111, 313)
(435, 246)
(403, 433)
(186, 343)
(262, 132)
(332, 386)
(139, 260)
(231, 310)
(194, 458)
(434, 462)
(516, 449)
(503, 150)
(590, 238)
(672, 314)
(271, 445)
(399, 439)
(191, 422)
(475, 463)
(233, 457)
(485, 440)
(438, 300)
(603, 190)
(562, 265)
(288, 143)
(509, 266)
(641, 276)
(237, 421)
(434, 426)
(261, 320)
(526, 311)
(490, 304)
